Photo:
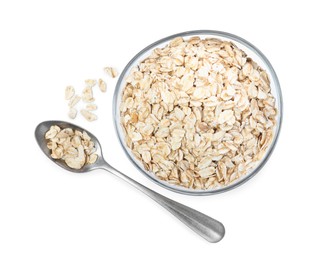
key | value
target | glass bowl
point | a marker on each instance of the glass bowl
(252, 52)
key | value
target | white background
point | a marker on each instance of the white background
(48, 213)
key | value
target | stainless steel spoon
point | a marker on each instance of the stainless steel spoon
(207, 227)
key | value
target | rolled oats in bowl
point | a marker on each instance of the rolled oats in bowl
(198, 112)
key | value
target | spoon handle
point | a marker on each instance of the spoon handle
(210, 229)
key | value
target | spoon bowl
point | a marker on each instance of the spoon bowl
(207, 227)
(43, 127)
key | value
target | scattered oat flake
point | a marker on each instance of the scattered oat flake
(102, 85)
(89, 116)
(74, 100)
(69, 92)
(72, 113)
(91, 107)
(87, 95)
(90, 82)
(112, 72)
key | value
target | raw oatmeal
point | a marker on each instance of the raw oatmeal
(72, 146)
(198, 113)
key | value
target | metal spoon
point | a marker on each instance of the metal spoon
(207, 227)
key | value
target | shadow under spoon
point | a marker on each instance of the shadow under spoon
(207, 227)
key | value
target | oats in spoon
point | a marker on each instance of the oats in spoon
(72, 146)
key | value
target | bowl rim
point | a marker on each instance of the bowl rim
(244, 179)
